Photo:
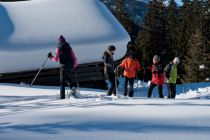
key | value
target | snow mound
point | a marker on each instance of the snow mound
(29, 30)
(200, 93)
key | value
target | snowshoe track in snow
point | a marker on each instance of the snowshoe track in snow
(49, 102)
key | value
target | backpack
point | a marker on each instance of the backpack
(65, 55)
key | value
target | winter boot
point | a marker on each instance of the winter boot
(109, 93)
(131, 94)
(125, 93)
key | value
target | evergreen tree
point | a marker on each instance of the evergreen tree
(195, 56)
(184, 32)
(123, 18)
(172, 29)
(206, 41)
(185, 26)
(119, 10)
(152, 35)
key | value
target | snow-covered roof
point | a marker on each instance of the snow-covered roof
(30, 29)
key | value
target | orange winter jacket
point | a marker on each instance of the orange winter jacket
(130, 67)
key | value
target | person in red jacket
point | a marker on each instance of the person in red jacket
(157, 77)
(130, 66)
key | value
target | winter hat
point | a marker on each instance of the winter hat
(156, 57)
(176, 60)
(111, 48)
(62, 39)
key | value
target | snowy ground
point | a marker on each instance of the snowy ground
(36, 113)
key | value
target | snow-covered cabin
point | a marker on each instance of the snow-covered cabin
(30, 29)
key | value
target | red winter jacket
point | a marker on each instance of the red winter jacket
(157, 74)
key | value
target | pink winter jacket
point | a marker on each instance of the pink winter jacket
(56, 57)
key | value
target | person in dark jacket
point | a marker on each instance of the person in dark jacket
(170, 72)
(109, 69)
(68, 62)
(157, 77)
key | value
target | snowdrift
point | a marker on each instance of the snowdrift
(30, 29)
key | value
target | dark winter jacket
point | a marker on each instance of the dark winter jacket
(157, 74)
(108, 62)
(65, 55)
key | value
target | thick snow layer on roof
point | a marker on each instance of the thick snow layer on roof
(30, 29)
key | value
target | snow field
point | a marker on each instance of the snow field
(36, 113)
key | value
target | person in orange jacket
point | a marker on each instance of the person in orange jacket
(130, 66)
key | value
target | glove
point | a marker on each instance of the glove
(50, 55)
(116, 69)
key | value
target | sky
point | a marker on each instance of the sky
(179, 2)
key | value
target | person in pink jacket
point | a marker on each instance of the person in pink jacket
(68, 63)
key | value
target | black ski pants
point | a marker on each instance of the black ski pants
(160, 90)
(131, 82)
(65, 73)
(171, 90)
(111, 77)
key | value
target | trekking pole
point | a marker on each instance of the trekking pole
(116, 86)
(39, 72)
(143, 83)
(77, 80)
(138, 86)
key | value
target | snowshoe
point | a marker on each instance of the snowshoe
(73, 93)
